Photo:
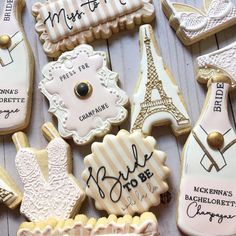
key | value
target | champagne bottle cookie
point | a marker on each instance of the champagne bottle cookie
(207, 189)
(16, 70)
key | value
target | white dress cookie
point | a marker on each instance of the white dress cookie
(83, 94)
(207, 205)
(157, 99)
(192, 24)
(16, 70)
(146, 225)
(10, 194)
(50, 190)
(63, 24)
(125, 174)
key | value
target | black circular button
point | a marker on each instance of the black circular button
(83, 89)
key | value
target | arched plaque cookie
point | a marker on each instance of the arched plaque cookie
(125, 174)
(83, 94)
(63, 24)
(157, 99)
(207, 205)
(10, 194)
(146, 225)
(16, 70)
(50, 189)
(192, 24)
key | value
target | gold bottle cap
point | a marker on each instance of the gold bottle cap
(5, 41)
(215, 140)
(221, 78)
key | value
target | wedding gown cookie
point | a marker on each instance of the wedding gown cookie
(157, 99)
(207, 189)
(192, 24)
(146, 225)
(64, 24)
(50, 189)
(83, 94)
(10, 195)
(16, 70)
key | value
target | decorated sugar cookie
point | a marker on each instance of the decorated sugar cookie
(125, 174)
(83, 94)
(192, 24)
(207, 205)
(50, 189)
(63, 24)
(157, 99)
(16, 70)
(10, 194)
(146, 225)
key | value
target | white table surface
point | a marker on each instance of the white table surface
(123, 50)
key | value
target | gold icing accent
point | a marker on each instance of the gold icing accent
(221, 78)
(215, 140)
(164, 104)
(5, 41)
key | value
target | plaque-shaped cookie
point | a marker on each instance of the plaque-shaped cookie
(207, 189)
(50, 189)
(83, 94)
(16, 70)
(157, 99)
(192, 24)
(146, 225)
(64, 24)
(125, 174)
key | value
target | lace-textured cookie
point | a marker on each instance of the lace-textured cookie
(207, 190)
(63, 24)
(146, 225)
(50, 190)
(221, 60)
(16, 69)
(10, 195)
(83, 94)
(125, 174)
(192, 24)
(157, 99)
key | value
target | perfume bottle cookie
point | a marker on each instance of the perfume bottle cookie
(64, 24)
(50, 189)
(125, 174)
(83, 94)
(192, 24)
(157, 99)
(16, 70)
(10, 194)
(207, 190)
(146, 225)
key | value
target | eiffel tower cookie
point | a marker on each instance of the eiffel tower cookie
(10, 195)
(157, 99)
(145, 225)
(16, 70)
(207, 203)
(83, 94)
(50, 189)
(64, 24)
(192, 24)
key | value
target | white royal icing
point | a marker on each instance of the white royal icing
(15, 72)
(55, 197)
(157, 99)
(83, 119)
(195, 24)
